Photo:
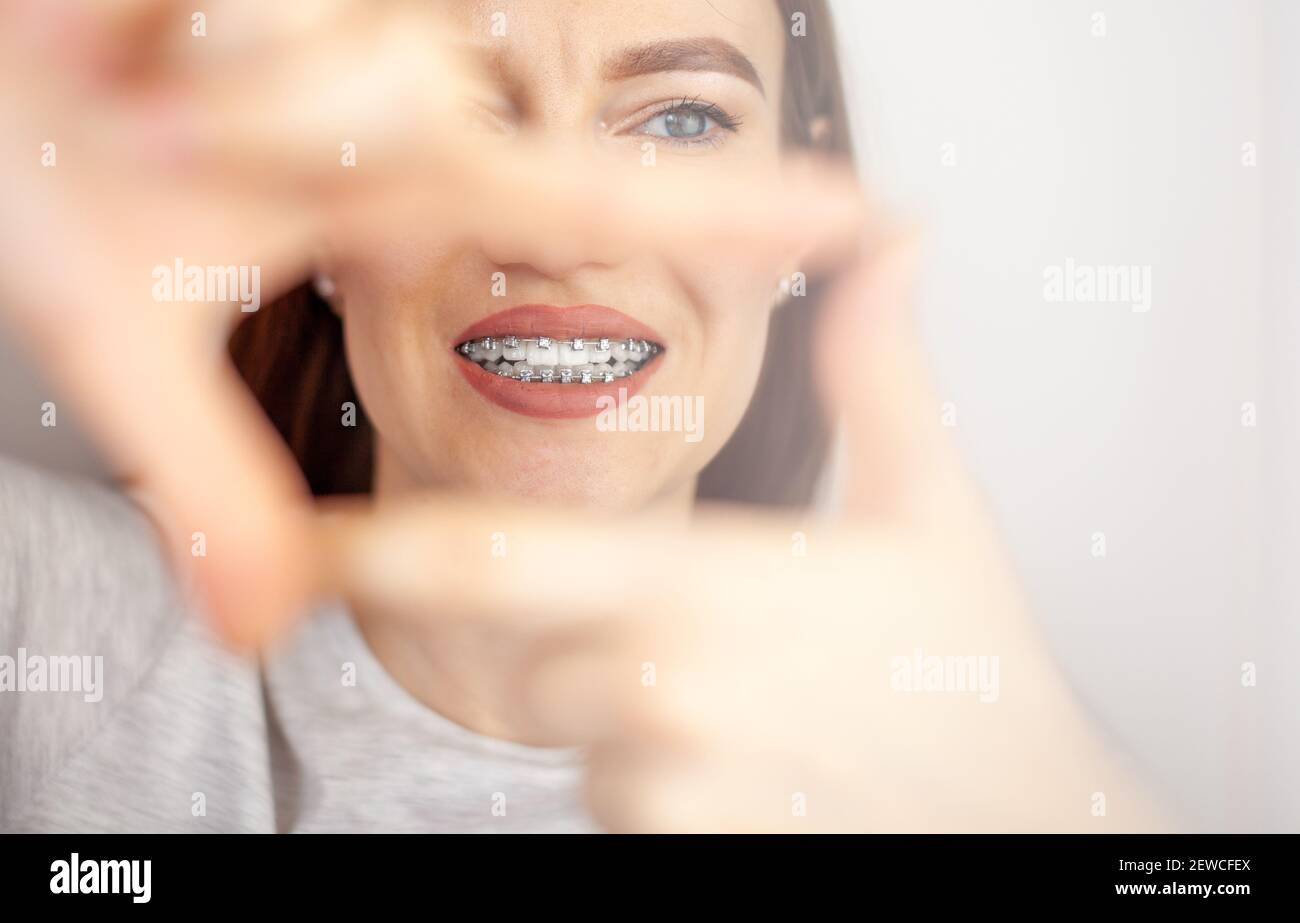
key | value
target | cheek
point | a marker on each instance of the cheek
(366, 341)
(737, 309)
(383, 356)
(732, 379)
(392, 346)
(735, 304)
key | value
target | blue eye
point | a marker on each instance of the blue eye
(680, 123)
(689, 122)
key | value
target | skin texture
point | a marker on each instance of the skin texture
(772, 668)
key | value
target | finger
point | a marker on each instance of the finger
(304, 101)
(806, 214)
(224, 490)
(226, 494)
(457, 558)
(469, 559)
(379, 175)
(900, 461)
(233, 32)
(601, 644)
(264, 127)
(810, 205)
(261, 125)
(163, 38)
(144, 375)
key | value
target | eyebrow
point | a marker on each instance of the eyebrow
(690, 54)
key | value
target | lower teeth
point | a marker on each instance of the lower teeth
(546, 360)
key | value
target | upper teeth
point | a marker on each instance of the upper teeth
(546, 359)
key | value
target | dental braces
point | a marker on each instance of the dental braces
(637, 354)
(565, 376)
(577, 343)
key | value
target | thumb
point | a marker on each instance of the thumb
(899, 460)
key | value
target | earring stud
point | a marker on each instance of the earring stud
(323, 285)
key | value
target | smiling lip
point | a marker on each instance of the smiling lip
(556, 401)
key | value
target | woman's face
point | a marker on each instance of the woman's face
(472, 389)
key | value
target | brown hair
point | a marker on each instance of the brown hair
(291, 354)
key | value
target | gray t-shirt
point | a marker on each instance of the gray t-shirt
(168, 731)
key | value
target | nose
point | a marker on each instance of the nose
(554, 260)
(564, 138)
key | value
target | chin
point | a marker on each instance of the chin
(604, 474)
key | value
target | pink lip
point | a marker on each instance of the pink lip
(555, 401)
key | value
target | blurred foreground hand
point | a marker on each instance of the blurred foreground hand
(721, 678)
(129, 144)
(748, 673)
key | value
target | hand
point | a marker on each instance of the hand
(225, 151)
(721, 680)
(110, 169)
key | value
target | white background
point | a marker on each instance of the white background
(1082, 418)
